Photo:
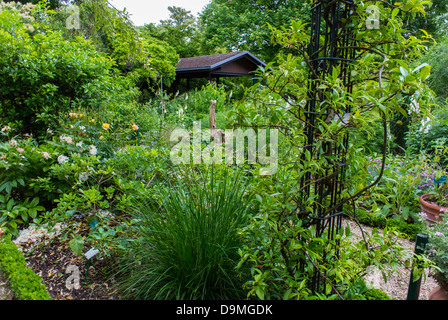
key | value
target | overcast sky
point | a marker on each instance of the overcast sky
(146, 11)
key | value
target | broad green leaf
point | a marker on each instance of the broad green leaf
(76, 244)
(260, 293)
(425, 72)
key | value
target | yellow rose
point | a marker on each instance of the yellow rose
(135, 127)
(106, 126)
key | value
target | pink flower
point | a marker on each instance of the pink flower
(422, 214)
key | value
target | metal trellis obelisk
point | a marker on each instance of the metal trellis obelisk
(331, 36)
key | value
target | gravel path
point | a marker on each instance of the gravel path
(398, 283)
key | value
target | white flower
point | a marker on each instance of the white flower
(414, 106)
(83, 176)
(425, 127)
(62, 159)
(79, 144)
(46, 155)
(93, 150)
(13, 143)
(6, 128)
(20, 150)
(180, 113)
(69, 140)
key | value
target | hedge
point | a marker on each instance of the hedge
(25, 284)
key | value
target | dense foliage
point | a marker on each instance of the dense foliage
(86, 122)
(244, 25)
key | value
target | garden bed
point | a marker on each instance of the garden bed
(49, 257)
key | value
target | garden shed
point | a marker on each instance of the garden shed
(213, 67)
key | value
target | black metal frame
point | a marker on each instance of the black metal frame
(329, 21)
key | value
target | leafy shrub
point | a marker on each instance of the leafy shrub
(42, 74)
(376, 294)
(403, 182)
(429, 134)
(410, 230)
(25, 284)
(188, 247)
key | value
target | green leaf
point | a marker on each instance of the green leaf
(395, 12)
(425, 72)
(404, 72)
(34, 202)
(260, 293)
(10, 204)
(76, 244)
(33, 213)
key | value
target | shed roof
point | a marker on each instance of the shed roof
(241, 63)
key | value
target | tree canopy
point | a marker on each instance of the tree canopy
(180, 31)
(244, 25)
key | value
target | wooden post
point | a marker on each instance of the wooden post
(214, 132)
(212, 115)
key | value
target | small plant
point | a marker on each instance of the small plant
(404, 181)
(437, 247)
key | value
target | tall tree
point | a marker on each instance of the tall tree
(244, 25)
(434, 21)
(180, 31)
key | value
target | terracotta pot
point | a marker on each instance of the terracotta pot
(432, 210)
(439, 293)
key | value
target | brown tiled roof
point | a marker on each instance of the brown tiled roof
(209, 62)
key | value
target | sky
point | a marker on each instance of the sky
(147, 11)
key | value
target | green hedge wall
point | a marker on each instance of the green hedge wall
(25, 284)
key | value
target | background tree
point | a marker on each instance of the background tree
(434, 21)
(137, 55)
(243, 25)
(180, 31)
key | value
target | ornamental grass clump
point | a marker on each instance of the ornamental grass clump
(187, 248)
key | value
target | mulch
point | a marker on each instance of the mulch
(51, 260)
